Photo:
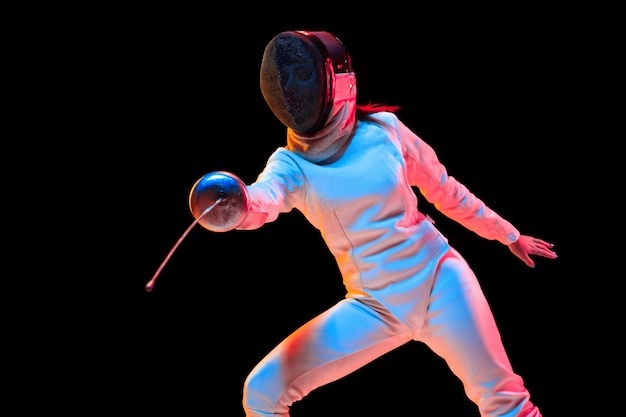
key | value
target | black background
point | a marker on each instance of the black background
(153, 99)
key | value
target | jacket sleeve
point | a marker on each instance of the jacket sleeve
(448, 195)
(276, 190)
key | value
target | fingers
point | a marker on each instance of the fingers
(545, 251)
(527, 246)
(543, 243)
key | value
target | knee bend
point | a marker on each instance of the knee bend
(260, 395)
(509, 398)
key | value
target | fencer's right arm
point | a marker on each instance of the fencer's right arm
(278, 189)
(256, 216)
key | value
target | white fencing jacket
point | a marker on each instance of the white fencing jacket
(367, 213)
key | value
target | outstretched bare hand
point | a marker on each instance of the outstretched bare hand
(525, 246)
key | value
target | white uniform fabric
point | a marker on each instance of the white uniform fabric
(403, 281)
(323, 143)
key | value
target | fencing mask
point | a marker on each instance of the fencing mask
(299, 76)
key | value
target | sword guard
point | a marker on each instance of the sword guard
(219, 201)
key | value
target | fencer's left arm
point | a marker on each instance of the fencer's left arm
(448, 195)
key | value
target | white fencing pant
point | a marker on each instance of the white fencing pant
(459, 327)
